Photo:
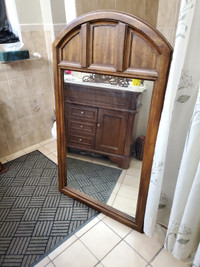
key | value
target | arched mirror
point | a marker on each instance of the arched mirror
(110, 74)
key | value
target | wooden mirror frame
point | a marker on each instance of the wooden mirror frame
(142, 53)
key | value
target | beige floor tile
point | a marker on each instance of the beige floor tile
(131, 180)
(100, 240)
(121, 177)
(89, 225)
(43, 262)
(144, 245)
(134, 172)
(123, 256)
(101, 216)
(50, 265)
(116, 188)
(15, 155)
(119, 228)
(62, 247)
(136, 163)
(99, 265)
(125, 204)
(53, 158)
(32, 148)
(43, 150)
(77, 255)
(52, 147)
(128, 191)
(3, 160)
(165, 259)
(111, 199)
(47, 141)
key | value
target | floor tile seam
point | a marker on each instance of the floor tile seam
(100, 260)
(79, 237)
(116, 232)
(61, 251)
(156, 255)
(137, 252)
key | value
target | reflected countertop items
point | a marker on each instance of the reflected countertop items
(69, 78)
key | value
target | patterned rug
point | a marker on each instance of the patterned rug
(92, 179)
(34, 216)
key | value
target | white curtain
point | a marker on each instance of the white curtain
(174, 192)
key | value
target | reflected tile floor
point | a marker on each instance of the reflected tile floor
(104, 242)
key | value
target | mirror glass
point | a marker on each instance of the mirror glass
(106, 120)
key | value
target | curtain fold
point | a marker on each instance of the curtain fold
(174, 191)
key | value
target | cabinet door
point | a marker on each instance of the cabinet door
(111, 131)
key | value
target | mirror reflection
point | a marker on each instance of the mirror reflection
(106, 121)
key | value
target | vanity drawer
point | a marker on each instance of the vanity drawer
(83, 141)
(82, 113)
(82, 127)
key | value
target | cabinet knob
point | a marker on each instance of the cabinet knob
(98, 125)
(82, 112)
(80, 140)
(81, 126)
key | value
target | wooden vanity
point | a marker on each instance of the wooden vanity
(100, 120)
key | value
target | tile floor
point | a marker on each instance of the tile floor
(104, 242)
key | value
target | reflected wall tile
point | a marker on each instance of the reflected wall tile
(124, 5)
(166, 13)
(138, 8)
(178, 5)
(3, 76)
(3, 141)
(84, 6)
(28, 42)
(26, 125)
(18, 88)
(45, 83)
(168, 34)
(151, 11)
(14, 70)
(32, 86)
(8, 112)
(49, 114)
(15, 145)
(38, 120)
(22, 107)
(41, 133)
(28, 139)
(47, 100)
(35, 104)
(5, 94)
(105, 4)
(12, 130)
(39, 43)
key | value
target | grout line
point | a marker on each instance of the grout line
(156, 255)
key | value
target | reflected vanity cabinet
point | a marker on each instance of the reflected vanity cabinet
(100, 120)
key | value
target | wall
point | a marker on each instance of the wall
(168, 12)
(146, 9)
(26, 90)
(26, 87)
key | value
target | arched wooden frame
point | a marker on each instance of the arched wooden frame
(119, 44)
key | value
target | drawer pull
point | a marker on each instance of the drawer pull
(98, 125)
(81, 126)
(82, 112)
(80, 140)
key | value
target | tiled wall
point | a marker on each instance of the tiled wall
(146, 9)
(26, 98)
(26, 90)
(168, 12)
